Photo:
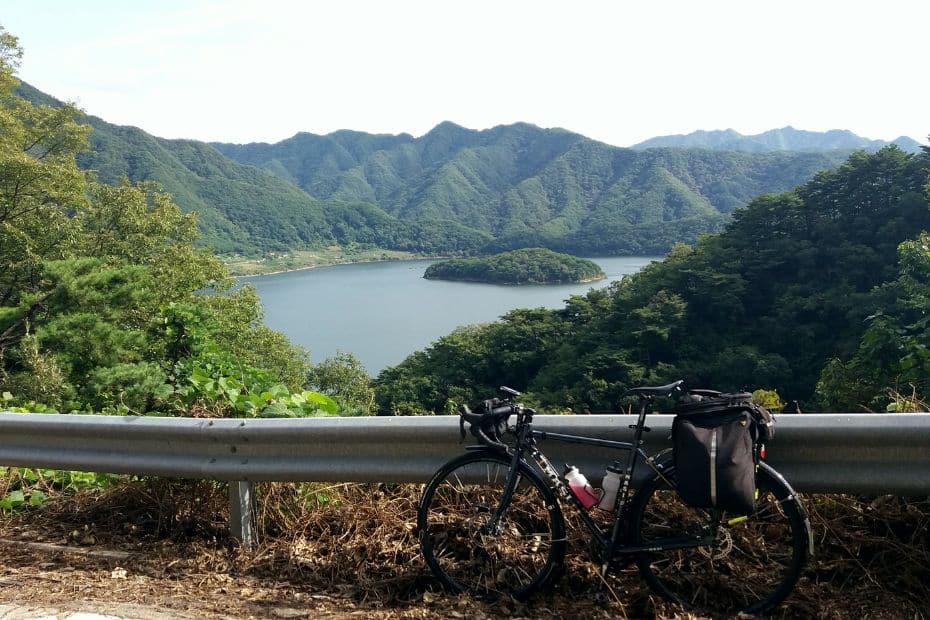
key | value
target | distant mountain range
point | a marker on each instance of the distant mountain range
(784, 139)
(451, 191)
(526, 186)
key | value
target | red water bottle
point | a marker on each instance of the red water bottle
(586, 494)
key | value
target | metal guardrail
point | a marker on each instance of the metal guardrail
(848, 453)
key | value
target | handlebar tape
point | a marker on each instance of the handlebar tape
(478, 421)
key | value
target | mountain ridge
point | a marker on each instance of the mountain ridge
(782, 139)
(526, 185)
(452, 191)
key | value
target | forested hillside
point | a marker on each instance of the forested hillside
(821, 293)
(246, 210)
(451, 191)
(784, 139)
(527, 186)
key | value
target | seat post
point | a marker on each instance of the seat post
(638, 429)
(637, 439)
(641, 420)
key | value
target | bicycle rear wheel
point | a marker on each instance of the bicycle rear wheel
(520, 557)
(754, 563)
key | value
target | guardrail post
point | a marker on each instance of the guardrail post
(241, 515)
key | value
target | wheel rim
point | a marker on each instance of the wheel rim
(515, 559)
(753, 565)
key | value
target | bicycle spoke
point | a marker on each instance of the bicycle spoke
(752, 565)
(516, 557)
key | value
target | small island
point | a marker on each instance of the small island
(527, 266)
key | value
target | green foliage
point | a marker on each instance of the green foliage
(126, 388)
(906, 403)
(215, 372)
(527, 266)
(40, 378)
(893, 348)
(216, 384)
(345, 379)
(471, 363)
(22, 488)
(820, 293)
(105, 302)
(37, 179)
(234, 323)
(768, 399)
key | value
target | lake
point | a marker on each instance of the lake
(383, 312)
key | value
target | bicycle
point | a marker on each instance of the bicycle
(490, 521)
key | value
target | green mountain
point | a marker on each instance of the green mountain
(240, 208)
(784, 139)
(451, 191)
(527, 186)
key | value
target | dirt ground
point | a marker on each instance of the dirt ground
(161, 549)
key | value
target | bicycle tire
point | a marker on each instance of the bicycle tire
(754, 565)
(525, 554)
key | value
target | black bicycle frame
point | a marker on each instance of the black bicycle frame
(613, 543)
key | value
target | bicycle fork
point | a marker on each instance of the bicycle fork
(493, 526)
(524, 440)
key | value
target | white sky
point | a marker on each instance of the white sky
(617, 71)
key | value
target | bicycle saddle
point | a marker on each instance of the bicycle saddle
(662, 390)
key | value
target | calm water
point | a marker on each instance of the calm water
(382, 312)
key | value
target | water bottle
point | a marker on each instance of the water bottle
(611, 485)
(586, 494)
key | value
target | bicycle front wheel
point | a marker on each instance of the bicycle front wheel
(516, 558)
(754, 562)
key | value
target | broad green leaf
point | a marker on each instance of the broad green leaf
(322, 401)
(276, 410)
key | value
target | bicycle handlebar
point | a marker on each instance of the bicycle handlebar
(487, 425)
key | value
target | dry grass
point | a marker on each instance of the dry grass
(350, 550)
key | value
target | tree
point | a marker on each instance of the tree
(893, 356)
(106, 304)
(40, 185)
(345, 379)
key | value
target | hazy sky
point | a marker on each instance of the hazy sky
(618, 71)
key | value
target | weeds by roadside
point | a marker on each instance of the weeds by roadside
(354, 546)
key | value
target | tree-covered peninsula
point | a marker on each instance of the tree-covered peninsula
(527, 266)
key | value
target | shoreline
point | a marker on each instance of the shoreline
(338, 262)
(333, 264)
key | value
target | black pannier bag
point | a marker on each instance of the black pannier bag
(714, 439)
